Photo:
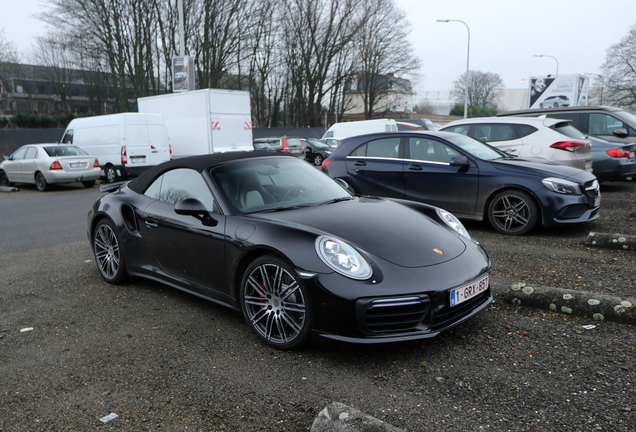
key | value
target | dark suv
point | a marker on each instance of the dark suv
(612, 124)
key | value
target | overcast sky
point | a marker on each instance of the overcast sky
(504, 35)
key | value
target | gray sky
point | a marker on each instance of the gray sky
(504, 35)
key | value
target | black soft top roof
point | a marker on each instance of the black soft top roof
(197, 163)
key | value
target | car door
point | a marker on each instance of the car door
(183, 245)
(430, 178)
(375, 168)
(12, 166)
(500, 135)
(28, 165)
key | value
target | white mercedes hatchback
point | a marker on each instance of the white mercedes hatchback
(538, 138)
(45, 164)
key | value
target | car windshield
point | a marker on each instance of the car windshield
(64, 150)
(319, 144)
(476, 148)
(270, 184)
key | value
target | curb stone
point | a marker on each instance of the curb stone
(599, 307)
(338, 417)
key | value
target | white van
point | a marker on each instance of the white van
(349, 129)
(126, 144)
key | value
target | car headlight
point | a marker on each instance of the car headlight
(342, 258)
(561, 186)
(453, 222)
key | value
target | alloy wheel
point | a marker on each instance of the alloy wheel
(107, 254)
(275, 306)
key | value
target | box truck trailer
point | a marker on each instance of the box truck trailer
(204, 121)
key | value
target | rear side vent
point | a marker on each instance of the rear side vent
(130, 219)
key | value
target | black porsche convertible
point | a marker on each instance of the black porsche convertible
(297, 253)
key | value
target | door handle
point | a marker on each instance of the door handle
(360, 163)
(415, 168)
(151, 223)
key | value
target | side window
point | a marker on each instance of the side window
(68, 137)
(31, 153)
(176, 185)
(384, 148)
(482, 132)
(460, 129)
(603, 124)
(525, 130)
(19, 154)
(501, 132)
(429, 150)
(360, 151)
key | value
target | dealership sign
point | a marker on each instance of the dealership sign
(554, 92)
(182, 74)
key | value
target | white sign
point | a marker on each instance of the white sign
(562, 91)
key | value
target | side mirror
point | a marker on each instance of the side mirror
(343, 184)
(459, 161)
(194, 207)
(620, 132)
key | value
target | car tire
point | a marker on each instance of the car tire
(556, 105)
(110, 174)
(275, 303)
(513, 212)
(4, 179)
(40, 182)
(318, 160)
(541, 105)
(89, 183)
(109, 252)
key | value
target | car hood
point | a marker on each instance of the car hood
(383, 228)
(541, 169)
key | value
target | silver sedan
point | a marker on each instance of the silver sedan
(45, 164)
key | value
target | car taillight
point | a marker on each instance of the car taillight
(124, 156)
(55, 166)
(325, 164)
(170, 148)
(567, 145)
(284, 147)
(96, 164)
(618, 153)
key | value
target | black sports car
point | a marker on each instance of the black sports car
(301, 257)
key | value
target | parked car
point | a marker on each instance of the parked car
(423, 124)
(256, 232)
(541, 138)
(316, 151)
(46, 164)
(352, 128)
(613, 161)
(285, 144)
(555, 102)
(331, 142)
(610, 123)
(466, 177)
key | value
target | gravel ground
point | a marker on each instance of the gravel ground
(163, 360)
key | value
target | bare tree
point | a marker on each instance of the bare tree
(382, 46)
(619, 71)
(481, 88)
(317, 31)
(53, 52)
(8, 51)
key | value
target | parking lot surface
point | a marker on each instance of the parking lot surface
(74, 350)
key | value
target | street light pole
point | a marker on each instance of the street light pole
(467, 64)
(555, 59)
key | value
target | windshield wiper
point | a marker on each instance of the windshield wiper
(335, 200)
(276, 209)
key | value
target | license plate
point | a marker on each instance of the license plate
(466, 292)
(138, 159)
(79, 164)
